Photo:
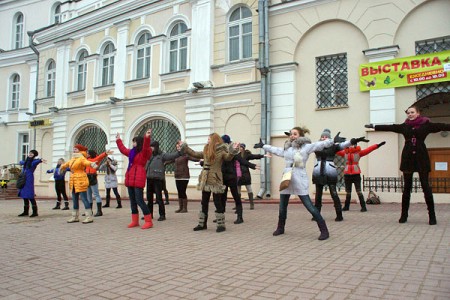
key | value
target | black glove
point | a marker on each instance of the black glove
(259, 145)
(354, 141)
(381, 144)
(339, 139)
(368, 125)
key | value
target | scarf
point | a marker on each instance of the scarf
(131, 157)
(417, 122)
(298, 143)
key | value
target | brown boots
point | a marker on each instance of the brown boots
(182, 202)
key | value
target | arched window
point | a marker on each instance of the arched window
(15, 91)
(18, 31)
(50, 77)
(240, 34)
(57, 14)
(166, 133)
(143, 55)
(93, 137)
(178, 47)
(108, 64)
(81, 70)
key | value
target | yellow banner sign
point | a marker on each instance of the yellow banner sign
(39, 123)
(406, 71)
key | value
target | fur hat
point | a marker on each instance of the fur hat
(326, 132)
(226, 139)
(80, 147)
(35, 153)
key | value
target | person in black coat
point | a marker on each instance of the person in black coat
(414, 157)
(230, 179)
(246, 178)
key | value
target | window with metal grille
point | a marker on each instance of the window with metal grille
(339, 162)
(431, 46)
(332, 81)
(165, 133)
(92, 137)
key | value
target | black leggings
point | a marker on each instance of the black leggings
(217, 198)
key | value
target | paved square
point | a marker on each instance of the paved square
(368, 256)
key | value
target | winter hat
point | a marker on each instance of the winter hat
(154, 144)
(80, 147)
(326, 132)
(226, 139)
(242, 145)
(35, 153)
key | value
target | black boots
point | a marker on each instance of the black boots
(324, 234)
(362, 202)
(405, 207)
(99, 210)
(250, 198)
(26, 209)
(348, 199)
(239, 219)
(58, 205)
(107, 202)
(280, 227)
(35, 211)
(202, 221)
(119, 202)
(66, 205)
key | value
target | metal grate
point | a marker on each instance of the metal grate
(396, 184)
(431, 46)
(166, 133)
(332, 81)
(92, 137)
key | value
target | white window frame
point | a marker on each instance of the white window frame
(14, 92)
(81, 71)
(145, 59)
(107, 64)
(178, 52)
(18, 30)
(240, 36)
(57, 13)
(50, 78)
(24, 146)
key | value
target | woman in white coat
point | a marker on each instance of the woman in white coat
(296, 152)
(110, 168)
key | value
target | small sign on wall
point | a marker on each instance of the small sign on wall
(440, 166)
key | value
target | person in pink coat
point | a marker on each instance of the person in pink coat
(136, 176)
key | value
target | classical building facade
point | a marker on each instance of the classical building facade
(89, 69)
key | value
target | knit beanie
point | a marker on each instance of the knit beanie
(326, 132)
(226, 139)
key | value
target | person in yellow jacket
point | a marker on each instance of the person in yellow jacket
(79, 183)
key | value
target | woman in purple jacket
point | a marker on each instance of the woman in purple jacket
(27, 192)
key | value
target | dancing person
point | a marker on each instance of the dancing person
(182, 176)
(135, 176)
(156, 175)
(295, 152)
(60, 184)
(352, 172)
(414, 156)
(246, 177)
(4, 178)
(231, 172)
(210, 180)
(325, 173)
(27, 192)
(93, 182)
(79, 182)
(110, 168)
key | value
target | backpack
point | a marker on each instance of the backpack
(372, 198)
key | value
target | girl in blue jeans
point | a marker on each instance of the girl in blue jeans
(296, 152)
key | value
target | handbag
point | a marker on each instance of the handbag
(286, 180)
(21, 180)
(92, 179)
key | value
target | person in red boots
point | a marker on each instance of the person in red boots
(352, 172)
(135, 176)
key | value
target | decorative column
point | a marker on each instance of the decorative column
(117, 117)
(383, 111)
(120, 65)
(62, 72)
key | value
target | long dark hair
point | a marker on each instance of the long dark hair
(139, 143)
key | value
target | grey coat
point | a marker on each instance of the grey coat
(110, 176)
(155, 165)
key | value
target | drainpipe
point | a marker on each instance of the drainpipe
(265, 91)
(35, 50)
